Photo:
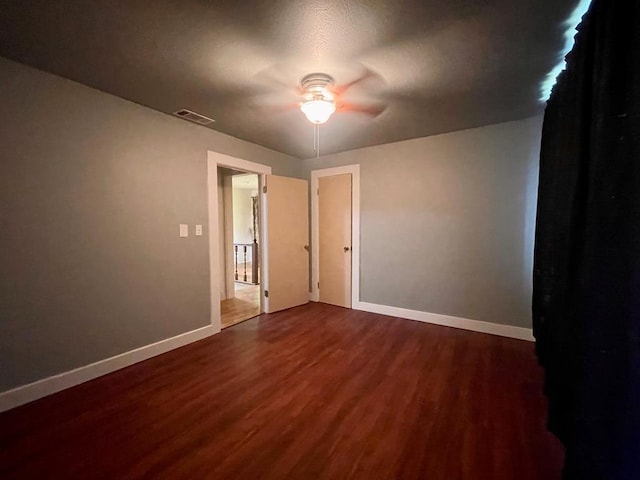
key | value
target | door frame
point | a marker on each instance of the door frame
(215, 160)
(354, 170)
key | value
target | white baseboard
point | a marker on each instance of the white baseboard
(447, 321)
(41, 388)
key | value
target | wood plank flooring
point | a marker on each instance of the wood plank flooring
(315, 392)
(245, 305)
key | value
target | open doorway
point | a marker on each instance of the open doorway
(239, 212)
(283, 235)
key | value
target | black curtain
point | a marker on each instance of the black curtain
(586, 302)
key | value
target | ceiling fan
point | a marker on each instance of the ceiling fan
(281, 88)
(320, 98)
(318, 101)
(317, 93)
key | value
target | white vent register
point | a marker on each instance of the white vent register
(193, 117)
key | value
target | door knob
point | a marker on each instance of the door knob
(346, 249)
(306, 247)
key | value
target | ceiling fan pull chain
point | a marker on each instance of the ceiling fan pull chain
(316, 139)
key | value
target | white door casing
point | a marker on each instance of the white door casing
(215, 160)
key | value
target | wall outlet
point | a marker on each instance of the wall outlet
(184, 230)
(198, 230)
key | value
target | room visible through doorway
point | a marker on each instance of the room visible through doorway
(241, 243)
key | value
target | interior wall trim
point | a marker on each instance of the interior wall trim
(215, 160)
(47, 386)
(510, 331)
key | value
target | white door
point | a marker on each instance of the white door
(334, 211)
(287, 230)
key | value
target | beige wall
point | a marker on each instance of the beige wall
(447, 222)
(92, 190)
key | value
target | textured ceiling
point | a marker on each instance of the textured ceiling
(437, 65)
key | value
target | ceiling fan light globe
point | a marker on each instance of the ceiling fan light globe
(318, 111)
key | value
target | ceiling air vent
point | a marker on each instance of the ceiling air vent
(193, 117)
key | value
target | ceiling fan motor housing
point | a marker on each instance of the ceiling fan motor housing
(315, 86)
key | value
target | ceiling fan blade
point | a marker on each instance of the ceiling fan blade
(373, 110)
(367, 75)
(279, 77)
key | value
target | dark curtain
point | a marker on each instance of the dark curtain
(586, 302)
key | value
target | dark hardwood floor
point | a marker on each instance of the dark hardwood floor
(313, 392)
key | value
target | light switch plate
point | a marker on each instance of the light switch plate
(198, 230)
(184, 230)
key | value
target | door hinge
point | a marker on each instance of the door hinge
(264, 189)
(318, 285)
(318, 191)
(266, 293)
